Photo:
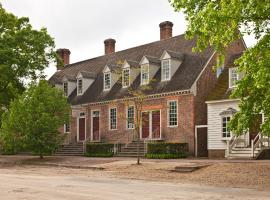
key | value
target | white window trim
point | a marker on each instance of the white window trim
(230, 77)
(110, 118)
(146, 82)
(168, 113)
(127, 117)
(78, 86)
(104, 86)
(65, 128)
(162, 75)
(65, 82)
(123, 82)
(221, 119)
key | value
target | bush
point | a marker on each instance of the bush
(166, 156)
(162, 150)
(99, 150)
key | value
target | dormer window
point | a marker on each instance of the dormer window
(65, 88)
(165, 70)
(79, 86)
(233, 77)
(126, 77)
(107, 81)
(144, 74)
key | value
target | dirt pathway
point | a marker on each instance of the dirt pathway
(59, 184)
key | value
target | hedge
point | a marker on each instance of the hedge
(99, 150)
(163, 150)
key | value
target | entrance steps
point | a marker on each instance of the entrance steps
(243, 152)
(131, 150)
(75, 149)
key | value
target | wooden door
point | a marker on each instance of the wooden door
(156, 124)
(81, 129)
(145, 125)
(95, 128)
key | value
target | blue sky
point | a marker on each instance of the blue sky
(83, 25)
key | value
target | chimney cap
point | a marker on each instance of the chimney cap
(63, 50)
(109, 40)
(165, 23)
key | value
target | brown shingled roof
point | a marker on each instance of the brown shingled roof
(183, 78)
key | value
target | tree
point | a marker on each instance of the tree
(24, 53)
(134, 96)
(218, 23)
(33, 120)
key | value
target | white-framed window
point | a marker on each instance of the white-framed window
(130, 117)
(113, 119)
(79, 86)
(107, 81)
(65, 88)
(233, 77)
(165, 70)
(173, 113)
(66, 128)
(226, 133)
(126, 77)
(144, 74)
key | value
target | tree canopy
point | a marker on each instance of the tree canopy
(24, 53)
(220, 22)
(33, 120)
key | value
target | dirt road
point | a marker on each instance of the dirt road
(23, 185)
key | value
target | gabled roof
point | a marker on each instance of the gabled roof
(183, 78)
(88, 74)
(222, 90)
(152, 59)
(175, 55)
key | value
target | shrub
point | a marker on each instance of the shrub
(166, 156)
(162, 150)
(99, 150)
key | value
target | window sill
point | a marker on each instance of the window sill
(175, 126)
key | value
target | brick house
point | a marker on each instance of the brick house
(174, 106)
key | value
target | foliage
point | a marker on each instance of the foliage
(167, 148)
(24, 54)
(219, 23)
(33, 120)
(99, 150)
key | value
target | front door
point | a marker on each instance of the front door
(81, 129)
(151, 127)
(156, 124)
(145, 125)
(95, 126)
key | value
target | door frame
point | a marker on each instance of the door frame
(78, 129)
(150, 125)
(92, 136)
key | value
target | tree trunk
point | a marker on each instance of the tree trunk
(41, 155)
(138, 148)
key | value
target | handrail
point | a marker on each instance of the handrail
(117, 143)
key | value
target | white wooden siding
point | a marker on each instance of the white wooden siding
(214, 123)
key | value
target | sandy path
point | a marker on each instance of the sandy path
(69, 186)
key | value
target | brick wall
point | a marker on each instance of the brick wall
(183, 133)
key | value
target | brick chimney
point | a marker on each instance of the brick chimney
(64, 55)
(165, 30)
(109, 45)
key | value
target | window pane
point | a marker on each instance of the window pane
(173, 113)
(80, 86)
(165, 70)
(65, 89)
(126, 77)
(145, 74)
(113, 119)
(130, 117)
(107, 81)
(225, 128)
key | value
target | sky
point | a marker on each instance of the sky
(83, 25)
